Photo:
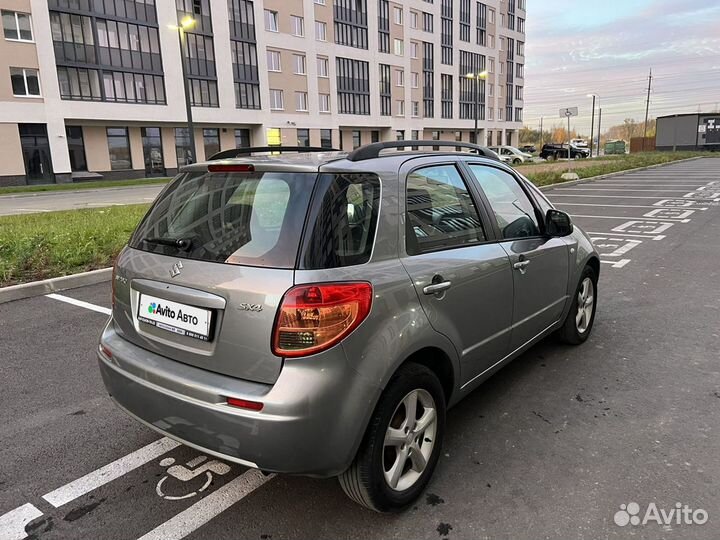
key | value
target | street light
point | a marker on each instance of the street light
(477, 77)
(592, 125)
(186, 23)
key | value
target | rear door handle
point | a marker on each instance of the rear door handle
(437, 287)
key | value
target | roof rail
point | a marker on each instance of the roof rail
(370, 151)
(237, 152)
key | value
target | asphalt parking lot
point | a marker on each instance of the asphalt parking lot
(550, 447)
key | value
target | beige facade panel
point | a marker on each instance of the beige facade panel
(12, 161)
(96, 148)
(168, 144)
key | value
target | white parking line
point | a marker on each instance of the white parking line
(580, 195)
(109, 472)
(201, 512)
(617, 205)
(79, 303)
(649, 237)
(613, 189)
(631, 217)
(617, 264)
(12, 524)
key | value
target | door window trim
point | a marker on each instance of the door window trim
(488, 206)
(407, 168)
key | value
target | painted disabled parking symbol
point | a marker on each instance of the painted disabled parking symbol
(669, 213)
(196, 472)
(680, 203)
(643, 227)
(613, 246)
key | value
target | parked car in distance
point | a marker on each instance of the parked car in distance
(317, 313)
(510, 154)
(529, 148)
(580, 143)
(560, 151)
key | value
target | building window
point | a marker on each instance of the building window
(399, 77)
(465, 20)
(385, 90)
(303, 137)
(152, 151)
(470, 89)
(356, 139)
(183, 149)
(399, 47)
(351, 25)
(320, 31)
(415, 80)
(211, 141)
(427, 22)
(398, 15)
(519, 92)
(446, 95)
(273, 61)
(413, 19)
(374, 136)
(400, 107)
(415, 109)
(271, 21)
(301, 101)
(446, 34)
(520, 48)
(203, 93)
(491, 16)
(25, 82)
(76, 148)
(320, 2)
(119, 149)
(324, 103)
(322, 67)
(521, 25)
(299, 64)
(297, 25)
(325, 138)
(428, 80)
(481, 24)
(384, 26)
(276, 100)
(353, 88)
(244, 54)
(520, 73)
(17, 26)
(242, 138)
(414, 46)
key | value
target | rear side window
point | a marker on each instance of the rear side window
(252, 219)
(440, 211)
(341, 228)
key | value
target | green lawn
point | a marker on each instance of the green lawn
(82, 185)
(39, 246)
(604, 165)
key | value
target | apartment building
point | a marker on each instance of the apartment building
(95, 88)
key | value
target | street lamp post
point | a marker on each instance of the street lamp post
(477, 77)
(185, 24)
(592, 123)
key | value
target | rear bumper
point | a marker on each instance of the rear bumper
(313, 418)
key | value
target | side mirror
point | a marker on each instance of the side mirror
(557, 223)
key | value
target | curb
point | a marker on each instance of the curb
(610, 175)
(46, 286)
(76, 191)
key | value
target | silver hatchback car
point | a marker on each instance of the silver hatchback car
(317, 313)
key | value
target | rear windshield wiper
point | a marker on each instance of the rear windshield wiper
(180, 243)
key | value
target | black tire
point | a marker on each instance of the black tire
(364, 482)
(517, 161)
(569, 332)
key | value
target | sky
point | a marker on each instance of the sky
(608, 47)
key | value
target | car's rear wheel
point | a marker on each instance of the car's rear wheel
(517, 161)
(402, 444)
(580, 319)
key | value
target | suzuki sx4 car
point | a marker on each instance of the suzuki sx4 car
(318, 313)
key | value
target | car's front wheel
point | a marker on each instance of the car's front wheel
(402, 443)
(517, 161)
(580, 319)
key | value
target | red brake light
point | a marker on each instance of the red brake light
(313, 318)
(232, 168)
(245, 404)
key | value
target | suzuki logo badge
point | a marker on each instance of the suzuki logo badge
(175, 270)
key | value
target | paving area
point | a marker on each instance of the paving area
(550, 447)
(30, 203)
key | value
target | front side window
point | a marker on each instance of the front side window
(253, 219)
(341, 230)
(440, 211)
(17, 26)
(514, 212)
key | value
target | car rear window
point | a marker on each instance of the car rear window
(253, 219)
(341, 228)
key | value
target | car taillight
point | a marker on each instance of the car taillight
(312, 318)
